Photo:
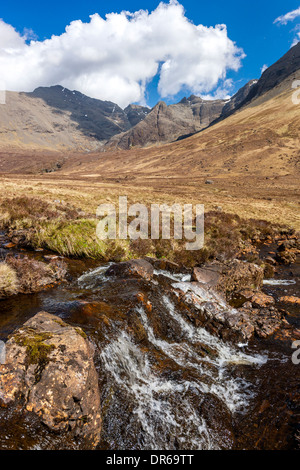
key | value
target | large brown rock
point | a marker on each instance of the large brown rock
(34, 276)
(49, 368)
(229, 278)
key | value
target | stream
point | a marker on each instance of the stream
(165, 383)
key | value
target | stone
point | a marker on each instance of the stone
(290, 299)
(139, 268)
(256, 298)
(166, 265)
(49, 368)
(209, 275)
(229, 278)
(34, 276)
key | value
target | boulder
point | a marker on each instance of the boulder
(34, 276)
(229, 278)
(139, 268)
(49, 368)
(265, 320)
(290, 299)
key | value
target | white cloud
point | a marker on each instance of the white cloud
(291, 16)
(223, 92)
(297, 38)
(114, 58)
(264, 68)
(284, 19)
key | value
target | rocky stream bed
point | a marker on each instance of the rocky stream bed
(148, 355)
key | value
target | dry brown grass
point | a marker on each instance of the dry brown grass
(9, 284)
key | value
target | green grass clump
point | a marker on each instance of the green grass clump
(70, 238)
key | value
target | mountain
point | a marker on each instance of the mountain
(27, 122)
(136, 113)
(261, 140)
(55, 118)
(168, 123)
(94, 118)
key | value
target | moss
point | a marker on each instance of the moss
(81, 332)
(37, 351)
(61, 323)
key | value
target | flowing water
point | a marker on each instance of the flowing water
(165, 382)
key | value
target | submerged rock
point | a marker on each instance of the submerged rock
(49, 368)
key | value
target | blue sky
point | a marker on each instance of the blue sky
(249, 24)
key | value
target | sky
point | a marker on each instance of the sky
(143, 51)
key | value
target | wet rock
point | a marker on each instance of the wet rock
(34, 276)
(286, 257)
(290, 299)
(258, 299)
(215, 315)
(134, 268)
(209, 275)
(49, 368)
(265, 321)
(229, 278)
(166, 265)
(269, 271)
(9, 245)
(288, 250)
(270, 260)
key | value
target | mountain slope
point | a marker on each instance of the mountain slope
(94, 118)
(27, 123)
(238, 98)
